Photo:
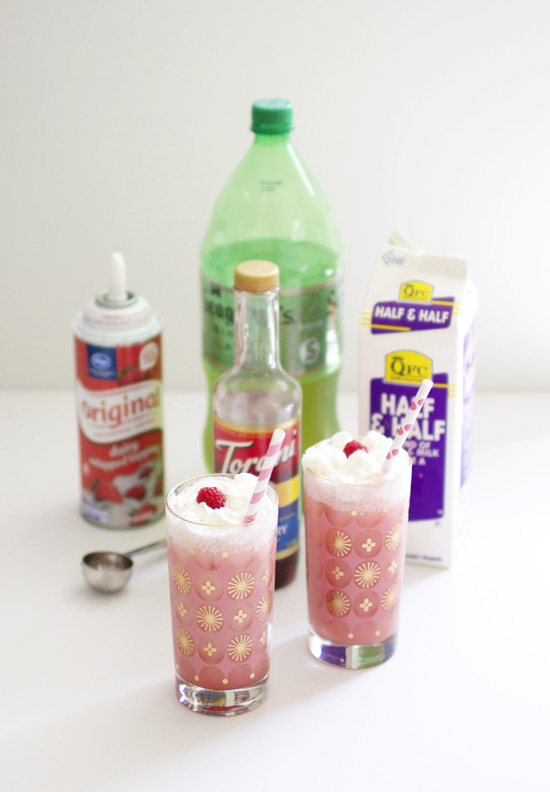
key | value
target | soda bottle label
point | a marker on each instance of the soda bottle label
(309, 327)
(242, 449)
(119, 407)
(308, 323)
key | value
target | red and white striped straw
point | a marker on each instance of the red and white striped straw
(265, 474)
(407, 423)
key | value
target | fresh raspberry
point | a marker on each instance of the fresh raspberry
(352, 446)
(212, 496)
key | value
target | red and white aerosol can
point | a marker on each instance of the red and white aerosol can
(119, 406)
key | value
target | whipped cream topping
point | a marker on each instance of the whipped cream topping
(327, 459)
(238, 491)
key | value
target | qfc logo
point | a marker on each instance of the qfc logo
(408, 366)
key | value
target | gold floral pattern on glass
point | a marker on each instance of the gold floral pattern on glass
(338, 543)
(182, 580)
(239, 648)
(394, 536)
(208, 588)
(209, 649)
(240, 586)
(338, 603)
(240, 616)
(263, 608)
(209, 618)
(185, 641)
(366, 605)
(367, 574)
(389, 597)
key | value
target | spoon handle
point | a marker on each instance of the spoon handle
(147, 548)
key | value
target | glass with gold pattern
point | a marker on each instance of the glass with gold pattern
(222, 577)
(355, 555)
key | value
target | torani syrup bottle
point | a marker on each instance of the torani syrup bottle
(257, 396)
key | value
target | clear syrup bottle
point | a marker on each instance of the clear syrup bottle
(257, 396)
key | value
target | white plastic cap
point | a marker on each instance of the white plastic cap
(117, 279)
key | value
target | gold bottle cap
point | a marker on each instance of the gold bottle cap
(256, 276)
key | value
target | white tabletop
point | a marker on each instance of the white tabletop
(88, 699)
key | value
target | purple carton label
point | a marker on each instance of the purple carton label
(393, 316)
(468, 379)
(426, 442)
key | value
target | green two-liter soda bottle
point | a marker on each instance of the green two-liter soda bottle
(272, 209)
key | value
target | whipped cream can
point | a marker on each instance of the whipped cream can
(118, 360)
(419, 322)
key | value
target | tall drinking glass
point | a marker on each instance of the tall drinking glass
(222, 580)
(355, 555)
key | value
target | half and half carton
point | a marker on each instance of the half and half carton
(419, 322)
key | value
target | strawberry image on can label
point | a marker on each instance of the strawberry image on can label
(119, 407)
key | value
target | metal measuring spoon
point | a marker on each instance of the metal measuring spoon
(109, 572)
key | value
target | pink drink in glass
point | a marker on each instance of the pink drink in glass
(222, 580)
(355, 555)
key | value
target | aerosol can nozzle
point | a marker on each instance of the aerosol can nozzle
(117, 279)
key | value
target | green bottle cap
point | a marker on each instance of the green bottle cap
(272, 116)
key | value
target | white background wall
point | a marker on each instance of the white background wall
(122, 120)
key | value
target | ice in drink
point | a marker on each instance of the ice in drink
(222, 577)
(356, 525)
